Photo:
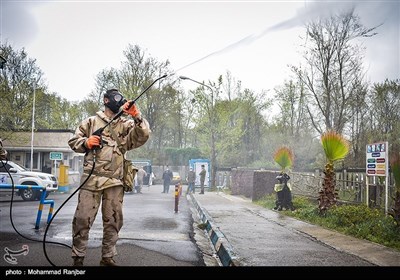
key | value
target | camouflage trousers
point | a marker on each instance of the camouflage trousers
(111, 200)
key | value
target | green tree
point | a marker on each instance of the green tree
(23, 91)
(293, 126)
(20, 79)
(384, 101)
(395, 166)
(358, 126)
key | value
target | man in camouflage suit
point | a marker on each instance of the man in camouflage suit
(104, 185)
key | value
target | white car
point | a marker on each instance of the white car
(21, 176)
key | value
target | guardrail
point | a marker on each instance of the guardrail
(350, 186)
(42, 200)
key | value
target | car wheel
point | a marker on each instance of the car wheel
(27, 194)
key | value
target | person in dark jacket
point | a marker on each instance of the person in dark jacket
(167, 178)
(283, 193)
(202, 174)
(191, 178)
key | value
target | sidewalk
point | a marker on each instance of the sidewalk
(245, 234)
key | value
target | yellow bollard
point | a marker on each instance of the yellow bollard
(178, 190)
(63, 179)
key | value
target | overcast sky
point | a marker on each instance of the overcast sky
(73, 41)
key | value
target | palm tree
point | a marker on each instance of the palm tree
(395, 166)
(336, 147)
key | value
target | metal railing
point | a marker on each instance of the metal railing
(42, 200)
(350, 186)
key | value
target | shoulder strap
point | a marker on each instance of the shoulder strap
(116, 139)
(113, 135)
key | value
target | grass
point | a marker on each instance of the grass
(358, 221)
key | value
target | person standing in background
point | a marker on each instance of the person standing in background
(167, 177)
(140, 177)
(191, 178)
(202, 174)
(151, 178)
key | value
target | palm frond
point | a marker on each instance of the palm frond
(336, 147)
(284, 157)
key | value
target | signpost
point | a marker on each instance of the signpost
(377, 164)
(56, 156)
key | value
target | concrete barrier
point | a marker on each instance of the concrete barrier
(221, 245)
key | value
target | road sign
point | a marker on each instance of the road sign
(377, 164)
(56, 156)
(377, 160)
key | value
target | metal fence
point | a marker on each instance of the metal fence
(350, 185)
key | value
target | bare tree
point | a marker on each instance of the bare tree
(333, 69)
(291, 100)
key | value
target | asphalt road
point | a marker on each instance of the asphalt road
(153, 235)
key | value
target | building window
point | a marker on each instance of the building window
(35, 161)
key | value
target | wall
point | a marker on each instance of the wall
(242, 182)
(264, 182)
(253, 184)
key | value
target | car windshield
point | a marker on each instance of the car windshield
(19, 167)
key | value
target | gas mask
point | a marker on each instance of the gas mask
(115, 100)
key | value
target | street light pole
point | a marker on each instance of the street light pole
(212, 96)
(212, 129)
(187, 78)
(33, 120)
(33, 124)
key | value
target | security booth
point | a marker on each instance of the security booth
(196, 165)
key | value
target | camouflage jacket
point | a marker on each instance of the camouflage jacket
(109, 159)
(3, 152)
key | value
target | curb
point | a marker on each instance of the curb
(221, 245)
